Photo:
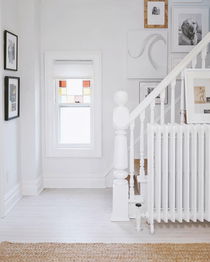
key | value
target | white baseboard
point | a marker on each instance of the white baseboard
(85, 181)
(11, 198)
(32, 187)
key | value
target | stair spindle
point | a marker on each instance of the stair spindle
(142, 167)
(132, 126)
(203, 57)
(173, 85)
(152, 112)
(182, 112)
(194, 62)
(162, 107)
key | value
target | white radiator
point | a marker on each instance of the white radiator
(178, 173)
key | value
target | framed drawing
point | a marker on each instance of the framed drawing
(147, 54)
(145, 88)
(197, 88)
(10, 51)
(12, 97)
(155, 13)
(189, 26)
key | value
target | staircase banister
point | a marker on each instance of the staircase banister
(170, 77)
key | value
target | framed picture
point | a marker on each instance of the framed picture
(12, 97)
(197, 89)
(155, 13)
(147, 54)
(145, 88)
(10, 51)
(189, 26)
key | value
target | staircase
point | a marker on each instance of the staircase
(162, 188)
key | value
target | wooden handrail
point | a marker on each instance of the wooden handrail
(170, 77)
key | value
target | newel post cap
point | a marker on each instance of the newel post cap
(121, 98)
(121, 115)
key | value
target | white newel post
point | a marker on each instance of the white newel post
(121, 118)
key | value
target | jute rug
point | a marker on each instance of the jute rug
(11, 252)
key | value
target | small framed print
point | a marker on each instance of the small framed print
(10, 51)
(12, 97)
(156, 13)
(197, 88)
(145, 88)
(189, 26)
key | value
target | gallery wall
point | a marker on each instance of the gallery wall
(93, 25)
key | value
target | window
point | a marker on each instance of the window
(73, 104)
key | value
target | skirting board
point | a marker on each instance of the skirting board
(32, 187)
(11, 198)
(74, 182)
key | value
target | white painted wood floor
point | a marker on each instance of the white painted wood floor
(83, 215)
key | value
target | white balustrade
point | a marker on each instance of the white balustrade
(123, 196)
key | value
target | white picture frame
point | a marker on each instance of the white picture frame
(147, 54)
(145, 88)
(197, 90)
(189, 26)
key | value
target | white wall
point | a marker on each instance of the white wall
(92, 25)
(9, 131)
(29, 11)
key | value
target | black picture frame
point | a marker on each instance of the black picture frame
(12, 97)
(10, 51)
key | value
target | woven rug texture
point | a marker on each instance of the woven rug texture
(53, 252)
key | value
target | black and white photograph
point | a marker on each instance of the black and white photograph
(10, 51)
(155, 10)
(190, 25)
(190, 29)
(12, 97)
(145, 88)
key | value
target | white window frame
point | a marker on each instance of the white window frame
(53, 149)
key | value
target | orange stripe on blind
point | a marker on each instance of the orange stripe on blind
(62, 83)
(86, 83)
